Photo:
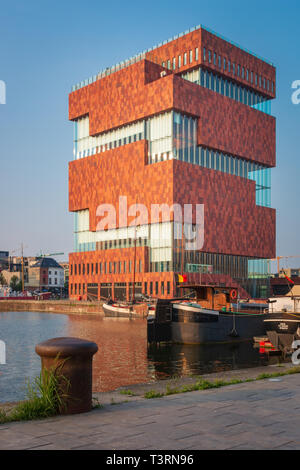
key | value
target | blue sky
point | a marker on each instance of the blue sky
(47, 46)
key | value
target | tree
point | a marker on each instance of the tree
(16, 283)
(2, 280)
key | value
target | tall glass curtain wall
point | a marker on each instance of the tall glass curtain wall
(159, 135)
(228, 88)
(158, 237)
(86, 145)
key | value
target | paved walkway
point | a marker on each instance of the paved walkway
(256, 415)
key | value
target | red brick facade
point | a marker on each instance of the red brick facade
(204, 39)
(234, 224)
(226, 125)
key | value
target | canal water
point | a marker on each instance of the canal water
(123, 357)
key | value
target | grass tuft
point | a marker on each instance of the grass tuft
(127, 392)
(153, 394)
(45, 397)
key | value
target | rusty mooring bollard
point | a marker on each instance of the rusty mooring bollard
(71, 360)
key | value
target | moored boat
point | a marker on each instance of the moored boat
(116, 309)
(284, 313)
(214, 316)
(283, 322)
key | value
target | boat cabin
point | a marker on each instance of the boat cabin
(286, 303)
(212, 296)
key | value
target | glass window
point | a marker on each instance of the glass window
(207, 159)
(222, 87)
(222, 162)
(169, 64)
(232, 166)
(220, 61)
(241, 173)
(197, 155)
(205, 78)
(217, 161)
(179, 61)
(224, 64)
(233, 87)
(209, 56)
(212, 160)
(229, 66)
(185, 59)
(233, 69)
(241, 97)
(196, 53)
(204, 54)
(238, 70)
(226, 163)
(202, 157)
(191, 57)
(215, 58)
(227, 87)
(217, 84)
(174, 63)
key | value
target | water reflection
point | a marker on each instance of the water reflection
(178, 360)
(123, 357)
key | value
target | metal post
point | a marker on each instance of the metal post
(22, 268)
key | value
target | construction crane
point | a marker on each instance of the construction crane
(49, 254)
(278, 258)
